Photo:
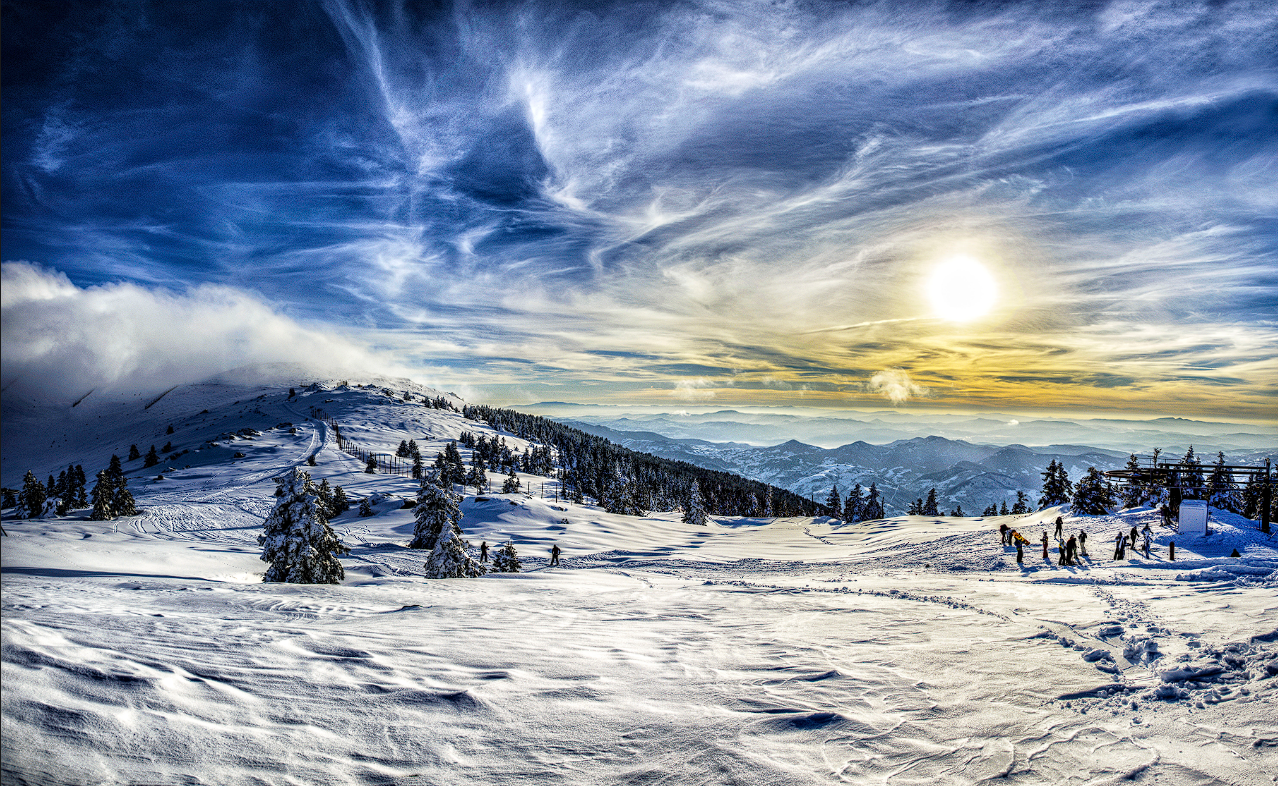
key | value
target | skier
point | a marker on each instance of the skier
(1003, 529)
(554, 555)
(1044, 545)
(1082, 542)
(483, 551)
(1071, 551)
(1059, 524)
(1133, 537)
(1119, 543)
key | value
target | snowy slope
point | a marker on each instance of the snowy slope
(911, 650)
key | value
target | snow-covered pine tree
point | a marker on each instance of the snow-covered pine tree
(10, 499)
(402, 450)
(1223, 492)
(371, 466)
(834, 502)
(418, 467)
(694, 507)
(103, 496)
(477, 478)
(450, 558)
(506, 559)
(325, 494)
(511, 484)
(152, 458)
(438, 509)
(1092, 496)
(930, 507)
(365, 507)
(915, 508)
(1134, 493)
(31, 498)
(297, 540)
(340, 503)
(413, 450)
(78, 496)
(621, 496)
(1191, 478)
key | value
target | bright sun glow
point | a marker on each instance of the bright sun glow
(961, 289)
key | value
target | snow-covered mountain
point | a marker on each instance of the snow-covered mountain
(147, 649)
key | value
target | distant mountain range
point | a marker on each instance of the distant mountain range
(963, 473)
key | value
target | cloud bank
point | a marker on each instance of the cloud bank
(64, 340)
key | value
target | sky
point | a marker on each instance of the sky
(949, 206)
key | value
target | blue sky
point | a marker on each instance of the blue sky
(736, 203)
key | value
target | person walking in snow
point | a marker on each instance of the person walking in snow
(1119, 543)
(1002, 534)
(1082, 542)
(1071, 551)
(1059, 524)
(1171, 551)
(554, 555)
(483, 551)
(1020, 555)
(1133, 537)
(1148, 539)
(1044, 545)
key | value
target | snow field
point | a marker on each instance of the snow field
(911, 650)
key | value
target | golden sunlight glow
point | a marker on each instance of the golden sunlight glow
(961, 289)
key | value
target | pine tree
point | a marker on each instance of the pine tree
(152, 458)
(1222, 491)
(297, 540)
(992, 510)
(103, 495)
(477, 478)
(834, 502)
(31, 498)
(77, 493)
(915, 508)
(694, 508)
(402, 450)
(511, 485)
(1056, 486)
(134, 453)
(438, 509)
(929, 507)
(1092, 496)
(371, 466)
(1003, 510)
(340, 503)
(365, 507)
(958, 511)
(418, 468)
(10, 500)
(1134, 493)
(506, 559)
(325, 494)
(1191, 478)
(450, 558)
(873, 509)
(854, 504)
(413, 450)
(1022, 504)
(122, 498)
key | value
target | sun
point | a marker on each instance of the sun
(961, 289)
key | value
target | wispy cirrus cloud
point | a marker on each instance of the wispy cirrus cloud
(749, 190)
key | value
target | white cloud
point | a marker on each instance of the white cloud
(895, 385)
(61, 339)
(693, 389)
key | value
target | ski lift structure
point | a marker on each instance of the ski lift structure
(1176, 476)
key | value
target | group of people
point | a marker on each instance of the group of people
(554, 553)
(1073, 550)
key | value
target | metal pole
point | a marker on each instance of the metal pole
(1266, 497)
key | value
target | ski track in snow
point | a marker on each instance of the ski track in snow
(910, 651)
